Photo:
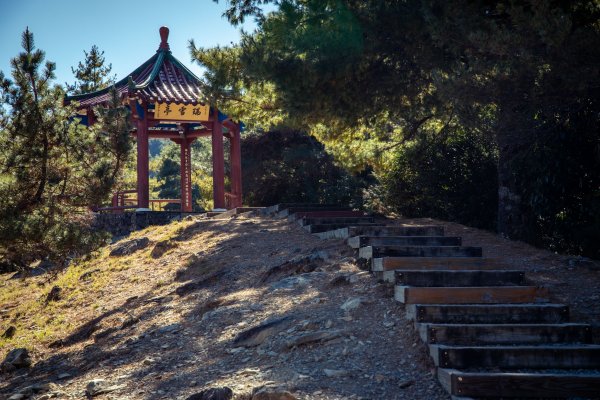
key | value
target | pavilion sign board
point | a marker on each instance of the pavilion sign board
(181, 112)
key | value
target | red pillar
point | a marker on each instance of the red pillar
(218, 159)
(236, 168)
(90, 116)
(143, 184)
(186, 174)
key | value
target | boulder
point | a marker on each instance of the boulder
(15, 359)
(9, 332)
(162, 247)
(129, 247)
(273, 394)
(55, 294)
(254, 336)
(313, 337)
(220, 393)
(97, 387)
(352, 304)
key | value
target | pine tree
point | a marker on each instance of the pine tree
(51, 167)
(92, 74)
(526, 73)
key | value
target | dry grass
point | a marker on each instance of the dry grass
(88, 288)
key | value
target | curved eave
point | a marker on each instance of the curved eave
(157, 61)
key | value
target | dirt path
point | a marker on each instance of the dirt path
(168, 327)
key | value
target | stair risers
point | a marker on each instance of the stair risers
(362, 241)
(328, 228)
(335, 220)
(469, 295)
(459, 278)
(325, 214)
(286, 210)
(369, 252)
(508, 334)
(405, 230)
(344, 231)
(544, 385)
(540, 357)
(473, 316)
(450, 263)
(488, 313)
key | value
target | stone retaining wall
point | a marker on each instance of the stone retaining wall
(123, 224)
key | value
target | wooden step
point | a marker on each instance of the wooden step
(488, 313)
(297, 206)
(325, 214)
(384, 230)
(450, 263)
(436, 278)
(369, 252)
(363, 241)
(398, 230)
(275, 209)
(508, 357)
(469, 295)
(520, 385)
(508, 334)
(335, 220)
(329, 228)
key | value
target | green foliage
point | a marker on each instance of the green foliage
(166, 170)
(451, 178)
(561, 191)
(387, 72)
(236, 95)
(92, 74)
(290, 166)
(51, 167)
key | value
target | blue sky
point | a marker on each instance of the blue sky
(127, 31)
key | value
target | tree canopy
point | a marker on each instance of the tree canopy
(92, 73)
(375, 76)
(51, 167)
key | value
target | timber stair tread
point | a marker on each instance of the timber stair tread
(325, 214)
(509, 334)
(294, 206)
(488, 313)
(344, 231)
(370, 252)
(410, 240)
(469, 295)
(489, 333)
(567, 356)
(380, 264)
(522, 384)
(321, 228)
(335, 220)
(444, 278)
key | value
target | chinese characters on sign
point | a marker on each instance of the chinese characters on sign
(187, 178)
(181, 112)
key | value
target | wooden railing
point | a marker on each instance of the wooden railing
(161, 201)
(121, 202)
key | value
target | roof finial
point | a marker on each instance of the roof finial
(164, 37)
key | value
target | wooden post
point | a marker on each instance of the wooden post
(236, 168)
(186, 174)
(218, 159)
(143, 183)
(90, 116)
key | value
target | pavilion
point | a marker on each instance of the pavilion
(165, 99)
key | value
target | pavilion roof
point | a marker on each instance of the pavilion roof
(162, 78)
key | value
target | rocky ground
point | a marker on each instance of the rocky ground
(252, 304)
